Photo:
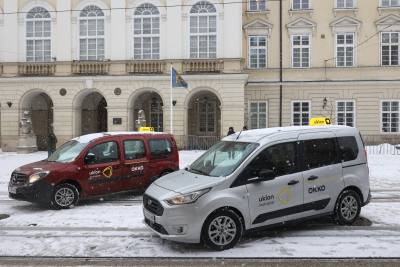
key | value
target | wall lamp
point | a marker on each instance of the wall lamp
(174, 102)
(9, 104)
(325, 101)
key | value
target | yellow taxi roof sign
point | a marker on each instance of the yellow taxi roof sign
(320, 121)
(146, 129)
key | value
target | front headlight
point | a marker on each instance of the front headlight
(186, 198)
(37, 176)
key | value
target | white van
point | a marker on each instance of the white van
(260, 180)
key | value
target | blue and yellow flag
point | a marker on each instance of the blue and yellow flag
(177, 80)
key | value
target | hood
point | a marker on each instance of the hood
(41, 166)
(185, 182)
(231, 128)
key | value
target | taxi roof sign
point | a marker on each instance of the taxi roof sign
(320, 121)
(146, 129)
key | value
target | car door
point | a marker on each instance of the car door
(136, 170)
(102, 170)
(160, 155)
(280, 199)
(322, 172)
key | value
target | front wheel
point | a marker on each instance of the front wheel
(347, 208)
(65, 196)
(222, 230)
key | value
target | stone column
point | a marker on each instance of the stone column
(63, 52)
(11, 34)
(174, 30)
(63, 125)
(9, 126)
(232, 116)
(232, 30)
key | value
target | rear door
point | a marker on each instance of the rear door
(160, 155)
(136, 171)
(102, 174)
(280, 199)
(322, 172)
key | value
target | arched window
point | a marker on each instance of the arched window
(203, 30)
(38, 35)
(92, 34)
(146, 32)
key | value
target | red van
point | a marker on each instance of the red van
(95, 164)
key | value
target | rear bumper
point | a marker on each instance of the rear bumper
(39, 192)
(368, 199)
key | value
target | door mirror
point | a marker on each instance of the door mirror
(89, 159)
(264, 175)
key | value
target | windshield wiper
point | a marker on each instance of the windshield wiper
(204, 173)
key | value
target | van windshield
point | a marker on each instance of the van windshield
(68, 152)
(222, 159)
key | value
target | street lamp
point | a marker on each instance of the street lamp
(325, 102)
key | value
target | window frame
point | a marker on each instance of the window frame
(161, 155)
(292, 47)
(258, 117)
(258, 47)
(345, 45)
(215, 117)
(354, 5)
(389, 44)
(190, 15)
(305, 161)
(381, 114)
(258, 6)
(160, 105)
(381, 4)
(26, 39)
(128, 140)
(354, 111)
(309, 5)
(109, 141)
(301, 112)
(79, 19)
(159, 35)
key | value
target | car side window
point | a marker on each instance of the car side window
(134, 149)
(102, 153)
(348, 148)
(160, 147)
(320, 152)
(279, 158)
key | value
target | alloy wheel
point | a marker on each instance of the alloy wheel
(64, 197)
(222, 230)
(349, 207)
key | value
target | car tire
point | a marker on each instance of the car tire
(222, 230)
(347, 208)
(65, 196)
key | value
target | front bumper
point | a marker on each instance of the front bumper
(38, 192)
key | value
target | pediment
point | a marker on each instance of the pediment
(388, 20)
(345, 22)
(258, 24)
(301, 23)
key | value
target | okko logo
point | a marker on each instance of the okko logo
(316, 189)
(108, 171)
(284, 195)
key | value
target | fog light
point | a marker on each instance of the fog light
(178, 230)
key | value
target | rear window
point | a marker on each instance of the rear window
(348, 148)
(160, 147)
(134, 149)
(320, 152)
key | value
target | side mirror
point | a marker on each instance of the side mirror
(264, 175)
(90, 158)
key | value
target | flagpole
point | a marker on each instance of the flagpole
(171, 99)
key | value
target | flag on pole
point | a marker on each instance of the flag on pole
(177, 80)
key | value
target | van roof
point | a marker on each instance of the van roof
(90, 137)
(254, 136)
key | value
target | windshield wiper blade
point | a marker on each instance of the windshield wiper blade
(204, 173)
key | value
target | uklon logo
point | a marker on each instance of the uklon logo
(284, 195)
(108, 171)
(266, 198)
(316, 189)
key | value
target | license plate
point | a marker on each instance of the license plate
(149, 215)
(12, 190)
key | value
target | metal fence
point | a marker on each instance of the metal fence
(382, 144)
(193, 142)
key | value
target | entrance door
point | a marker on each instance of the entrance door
(136, 170)
(322, 173)
(102, 125)
(102, 168)
(280, 199)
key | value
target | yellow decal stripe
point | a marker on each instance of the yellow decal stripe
(324, 180)
(130, 163)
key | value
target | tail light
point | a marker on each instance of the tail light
(366, 156)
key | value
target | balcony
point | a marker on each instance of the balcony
(140, 67)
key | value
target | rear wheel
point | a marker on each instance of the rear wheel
(222, 230)
(65, 196)
(347, 208)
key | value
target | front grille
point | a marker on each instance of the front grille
(155, 226)
(18, 178)
(152, 205)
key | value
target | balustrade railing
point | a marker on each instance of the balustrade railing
(36, 69)
(91, 67)
(145, 67)
(202, 65)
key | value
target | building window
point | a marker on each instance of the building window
(38, 35)
(257, 5)
(301, 113)
(203, 31)
(345, 50)
(156, 116)
(206, 111)
(390, 2)
(390, 48)
(345, 3)
(258, 115)
(390, 116)
(146, 32)
(258, 52)
(300, 51)
(301, 4)
(92, 34)
(345, 113)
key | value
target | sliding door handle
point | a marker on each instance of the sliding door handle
(312, 177)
